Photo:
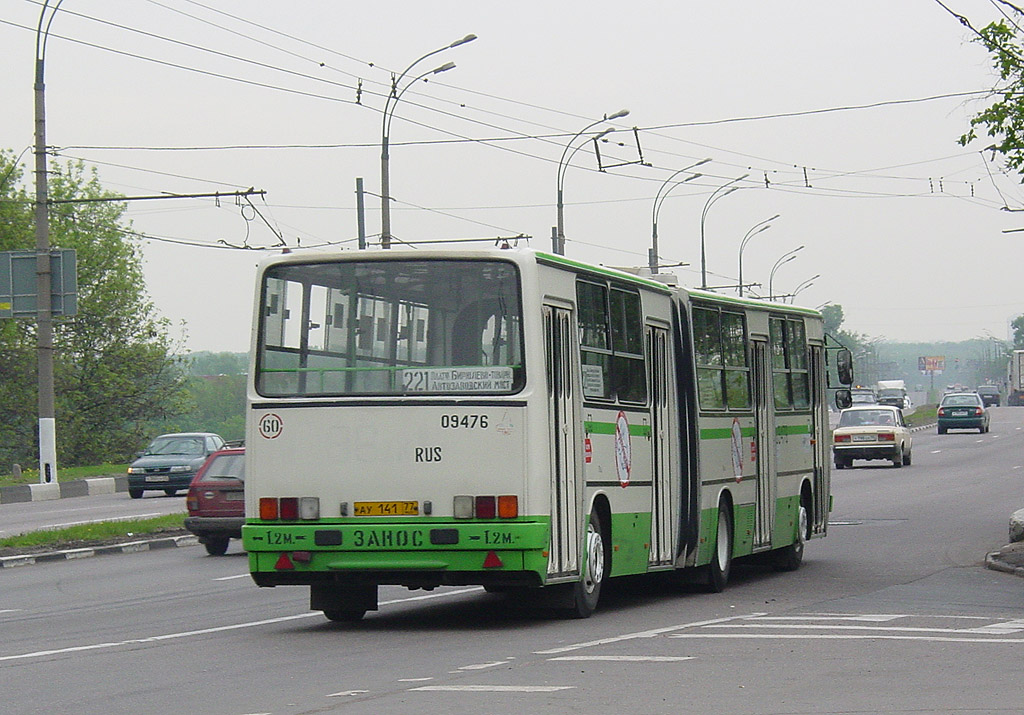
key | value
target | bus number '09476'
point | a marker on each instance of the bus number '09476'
(464, 421)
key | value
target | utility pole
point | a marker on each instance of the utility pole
(44, 316)
(360, 214)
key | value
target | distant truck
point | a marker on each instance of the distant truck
(1015, 389)
(892, 392)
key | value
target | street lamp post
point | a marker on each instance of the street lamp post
(44, 314)
(563, 164)
(756, 229)
(722, 191)
(803, 286)
(389, 111)
(785, 258)
(659, 199)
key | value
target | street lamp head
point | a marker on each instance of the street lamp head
(604, 133)
(444, 68)
(468, 38)
(617, 115)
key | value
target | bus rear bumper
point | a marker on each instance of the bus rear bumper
(414, 554)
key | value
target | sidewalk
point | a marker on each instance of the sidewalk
(62, 490)
(1010, 558)
(124, 547)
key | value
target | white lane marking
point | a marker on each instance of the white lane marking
(494, 688)
(876, 618)
(936, 451)
(628, 658)
(854, 616)
(413, 680)
(482, 666)
(232, 578)
(642, 634)
(347, 692)
(1001, 629)
(845, 636)
(100, 521)
(1019, 466)
(215, 629)
(908, 629)
(10, 610)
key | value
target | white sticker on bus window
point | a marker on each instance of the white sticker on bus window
(623, 450)
(457, 379)
(593, 380)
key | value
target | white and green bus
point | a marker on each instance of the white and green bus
(524, 422)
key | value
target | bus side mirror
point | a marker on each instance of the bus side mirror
(844, 398)
(844, 367)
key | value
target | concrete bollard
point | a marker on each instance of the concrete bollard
(1017, 526)
(16, 471)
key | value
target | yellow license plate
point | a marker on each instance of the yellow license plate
(387, 508)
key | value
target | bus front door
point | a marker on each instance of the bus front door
(566, 495)
(662, 426)
(764, 416)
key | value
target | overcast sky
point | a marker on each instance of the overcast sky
(905, 227)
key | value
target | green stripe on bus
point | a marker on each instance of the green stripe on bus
(725, 433)
(793, 429)
(609, 428)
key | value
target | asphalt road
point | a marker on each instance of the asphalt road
(893, 612)
(58, 513)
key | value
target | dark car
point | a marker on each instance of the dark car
(216, 500)
(170, 461)
(962, 410)
(863, 396)
(990, 395)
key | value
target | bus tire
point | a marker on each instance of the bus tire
(789, 558)
(721, 558)
(587, 591)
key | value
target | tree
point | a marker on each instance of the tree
(1003, 120)
(832, 314)
(1018, 332)
(114, 364)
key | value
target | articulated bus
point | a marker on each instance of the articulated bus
(521, 421)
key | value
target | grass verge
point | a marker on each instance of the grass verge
(923, 415)
(65, 474)
(96, 534)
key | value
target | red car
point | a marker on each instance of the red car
(216, 500)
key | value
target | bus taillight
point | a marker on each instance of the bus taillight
(508, 506)
(268, 508)
(486, 507)
(289, 508)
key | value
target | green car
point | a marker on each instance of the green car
(962, 410)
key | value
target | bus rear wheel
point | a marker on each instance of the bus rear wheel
(789, 558)
(721, 559)
(587, 590)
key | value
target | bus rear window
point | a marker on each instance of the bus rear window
(381, 327)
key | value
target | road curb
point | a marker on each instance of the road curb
(1009, 559)
(169, 542)
(21, 493)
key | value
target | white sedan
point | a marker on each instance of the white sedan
(871, 432)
